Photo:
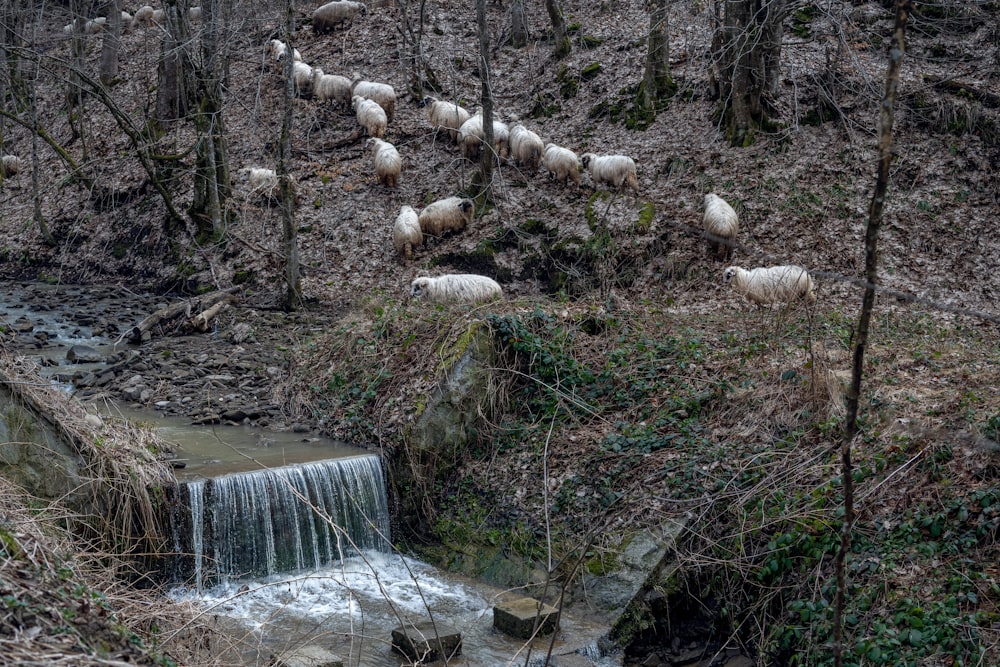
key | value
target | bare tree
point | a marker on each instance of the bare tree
(412, 31)
(559, 36)
(887, 108)
(746, 55)
(293, 286)
(488, 155)
(111, 43)
(518, 24)
(173, 91)
(211, 178)
(657, 84)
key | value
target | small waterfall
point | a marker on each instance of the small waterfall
(285, 519)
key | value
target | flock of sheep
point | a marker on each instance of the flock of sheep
(374, 106)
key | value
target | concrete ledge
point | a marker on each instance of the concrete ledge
(307, 656)
(517, 618)
(419, 642)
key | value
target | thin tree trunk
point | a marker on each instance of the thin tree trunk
(657, 82)
(559, 36)
(293, 287)
(111, 43)
(173, 90)
(518, 24)
(488, 155)
(420, 68)
(896, 52)
(36, 191)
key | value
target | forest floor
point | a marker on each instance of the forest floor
(615, 299)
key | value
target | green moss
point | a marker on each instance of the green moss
(569, 85)
(590, 211)
(590, 71)
(451, 353)
(590, 42)
(645, 221)
(533, 226)
(545, 106)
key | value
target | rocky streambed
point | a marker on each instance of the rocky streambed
(228, 375)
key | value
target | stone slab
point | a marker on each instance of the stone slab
(308, 656)
(517, 618)
(425, 641)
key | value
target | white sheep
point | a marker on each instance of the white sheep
(562, 163)
(263, 182)
(721, 223)
(471, 137)
(774, 284)
(277, 49)
(526, 147)
(406, 233)
(445, 115)
(128, 21)
(302, 76)
(387, 162)
(143, 16)
(10, 165)
(327, 17)
(331, 87)
(370, 116)
(91, 27)
(158, 17)
(446, 215)
(456, 288)
(612, 170)
(194, 13)
(382, 94)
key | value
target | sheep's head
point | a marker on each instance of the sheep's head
(729, 274)
(466, 206)
(585, 159)
(427, 100)
(419, 286)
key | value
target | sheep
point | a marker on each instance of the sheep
(775, 284)
(263, 182)
(471, 137)
(158, 16)
(91, 27)
(10, 165)
(387, 162)
(562, 163)
(331, 87)
(127, 21)
(613, 170)
(143, 16)
(302, 76)
(277, 49)
(370, 116)
(456, 288)
(381, 93)
(526, 147)
(445, 115)
(721, 223)
(327, 17)
(446, 215)
(194, 13)
(406, 233)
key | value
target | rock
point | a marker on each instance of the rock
(517, 618)
(83, 354)
(420, 642)
(307, 656)
(739, 661)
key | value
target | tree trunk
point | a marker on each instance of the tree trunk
(484, 180)
(211, 179)
(111, 43)
(559, 36)
(173, 88)
(293, 286)
(745, 65)
(887, 108)
(420, 68)
(657, 84)
(518, 25)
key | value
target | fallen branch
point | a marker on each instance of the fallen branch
(205, 306)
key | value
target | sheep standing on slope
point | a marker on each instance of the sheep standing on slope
(382, 94)
(302, 76)
(263, 182)
(333, 14)
(774, 284)
(446, 215)
(10, 165)
(445, 115)
(471, 137)
(143, 16)
(562, 163)
(370, 116)
(612, 170)
(406, 233)
(387, 162)
(331, 87)
(456, 288)
(276, 50)
(721, 222)
(526, 147)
